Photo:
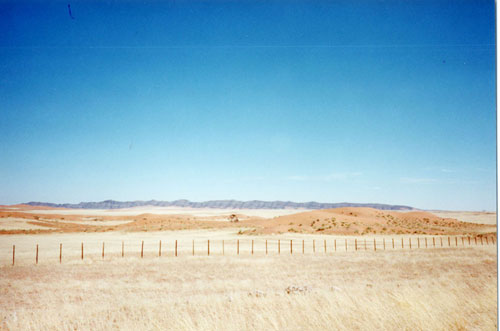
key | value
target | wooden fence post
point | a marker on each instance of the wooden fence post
(82, 250)
(441, 238)
(208, 247)
(392, 243)
(60, 253)
(159, 249)
(486, 240)
(374, 244)
(123, 252)
(462, 240)
(481, 241)
(433, 242)
(103, 249)
(176, 248)
(356, 244)
(448, 241)
(13, 254)
(475, 240)
(418, 242)
(468, 239)
(279, 247)
(456, 242)
(36, 258)
(193, 247)
(410, 242)
(252, 246)
(402, 243)
(425, 242)
(365, 244)
(142, 249)
(324, 244)
(345, 245)
(384, 244)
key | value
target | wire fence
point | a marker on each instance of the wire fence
(236, 247)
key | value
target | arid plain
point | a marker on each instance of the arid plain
(344, 268)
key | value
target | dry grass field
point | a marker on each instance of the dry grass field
(438, 289)
(452, 286)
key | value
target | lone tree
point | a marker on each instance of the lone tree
(233, 218)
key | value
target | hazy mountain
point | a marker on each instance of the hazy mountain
(233, 204)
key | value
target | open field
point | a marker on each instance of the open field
(198, 212)
(216, 242)
(469, 216)
(22, 219)
(439, 289)
(449, 286)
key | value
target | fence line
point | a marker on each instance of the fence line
(349, 243)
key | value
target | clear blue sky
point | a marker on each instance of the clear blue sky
(359, 101)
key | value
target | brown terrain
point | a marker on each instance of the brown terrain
(237, 268)
(23, 219)
(361, 221)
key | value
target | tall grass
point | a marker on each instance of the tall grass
(396, 290)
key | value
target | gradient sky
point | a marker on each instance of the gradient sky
(358, 101)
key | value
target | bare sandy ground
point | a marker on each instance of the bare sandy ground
(337, 221)
(98, 222)
(469, 216)
(198, 212)
(13, 223)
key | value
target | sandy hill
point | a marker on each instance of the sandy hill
(358, 220)
(343, 221)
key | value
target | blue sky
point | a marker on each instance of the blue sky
(364, 101)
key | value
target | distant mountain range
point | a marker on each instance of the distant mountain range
(226, 204)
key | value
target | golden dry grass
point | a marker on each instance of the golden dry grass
(438, 289)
